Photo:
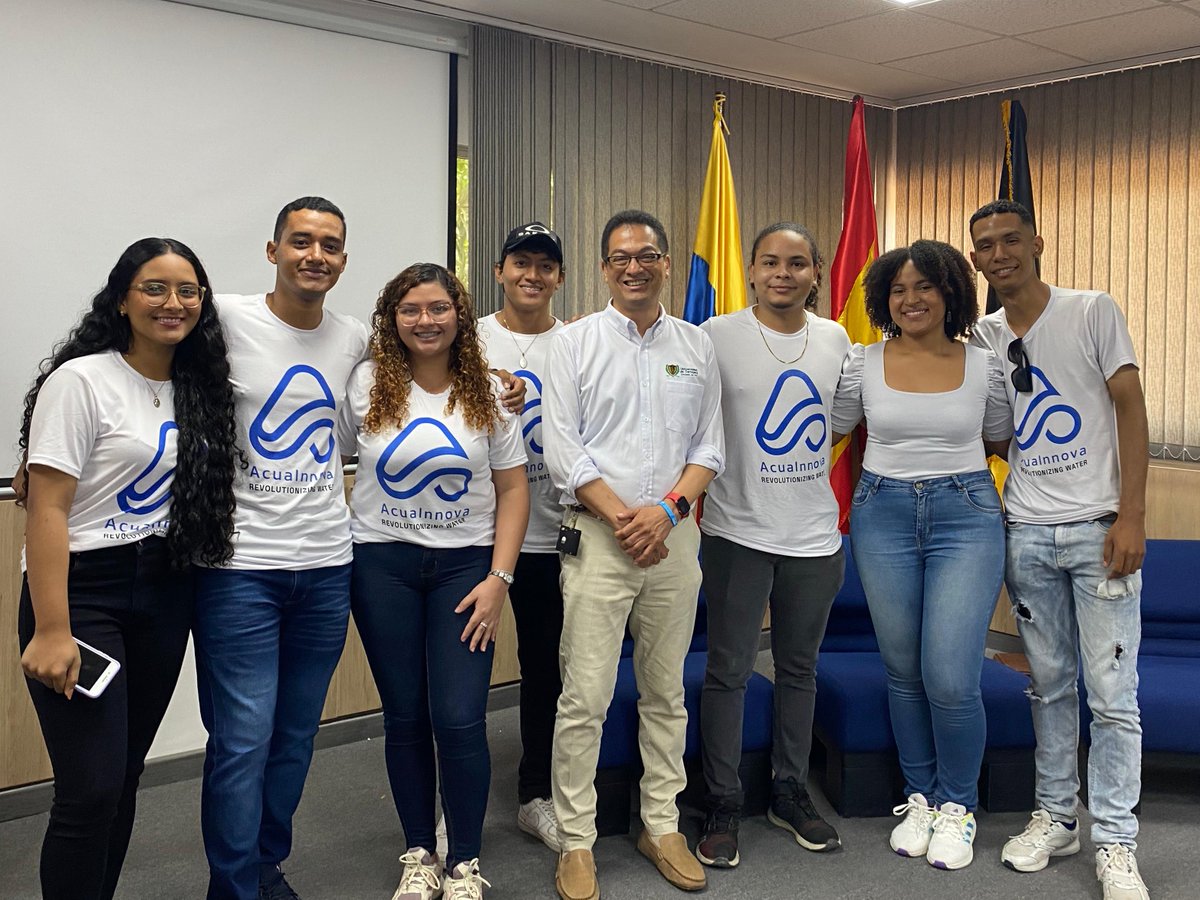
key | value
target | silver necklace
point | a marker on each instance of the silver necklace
(763, 335)
(513, 336)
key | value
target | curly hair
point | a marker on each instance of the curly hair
(944, 266)
(810, 302)
(471, 386)
(202, 505)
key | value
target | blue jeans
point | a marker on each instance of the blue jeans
(931, 558)
(267, 642)
(431, 684)
(1054, 572)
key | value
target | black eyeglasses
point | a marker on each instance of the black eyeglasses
(1022, 375)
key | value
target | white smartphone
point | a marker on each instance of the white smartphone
(96, 670)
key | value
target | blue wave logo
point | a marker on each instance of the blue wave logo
(427, 440)
(1043, 415)
(531, 418)
(311, 423)
(151, 487)
(804, 417)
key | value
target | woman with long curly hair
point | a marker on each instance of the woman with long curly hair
(927, 530)
(438, 514)
(128, 438)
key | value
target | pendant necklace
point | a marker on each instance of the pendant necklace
(763, 335)
(153, 393)
(528, 346)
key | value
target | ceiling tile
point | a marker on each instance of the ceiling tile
(640, 4)
(891, 35)
(1157, 30)
(982, 63)
(1006, 17)
(771, 18)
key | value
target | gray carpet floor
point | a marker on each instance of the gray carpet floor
(348, 838)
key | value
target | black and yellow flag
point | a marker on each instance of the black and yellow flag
(1016, 183)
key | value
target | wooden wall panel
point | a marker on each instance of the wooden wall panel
(609, 133)
(1116, 179)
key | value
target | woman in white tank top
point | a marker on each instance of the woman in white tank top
(927, 531)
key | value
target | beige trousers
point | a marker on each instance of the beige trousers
(602, 590)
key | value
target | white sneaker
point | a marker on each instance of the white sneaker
(1118, 874)
(538, 819)
(1042, 838)
(911, 836)
(953, 834)
(422, 877)
(465, 882)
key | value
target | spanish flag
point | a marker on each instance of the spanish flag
(857, 249)
(717, 279)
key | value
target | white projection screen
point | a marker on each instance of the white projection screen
(129, 118)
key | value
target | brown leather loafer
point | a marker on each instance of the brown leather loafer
(576, 876)
(673, 860)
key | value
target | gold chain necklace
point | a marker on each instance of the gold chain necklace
(528, 346)
(763, 335)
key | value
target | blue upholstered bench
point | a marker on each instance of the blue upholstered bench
(1169, 656)
(620, 764)
(853, 728)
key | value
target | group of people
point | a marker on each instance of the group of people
(183, 472)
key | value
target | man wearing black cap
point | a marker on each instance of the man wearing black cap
(518, 339)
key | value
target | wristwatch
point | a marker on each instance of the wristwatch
(681, 503)
(506, 577)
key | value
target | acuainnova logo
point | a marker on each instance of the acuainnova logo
(792, 412)
(424, 442)
(278, 434)
(531, 418)
(151, 487)
(1043, 415)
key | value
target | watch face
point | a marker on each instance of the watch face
(682, 505)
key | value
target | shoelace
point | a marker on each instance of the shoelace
(546, 807)
(1119, 866)
(790, 798)
(954, 824)
(467, 887)
(925, 814)
(722, 820)
(280, 890)
(1036, 831)
(417, 875)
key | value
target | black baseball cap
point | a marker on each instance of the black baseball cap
(534, 236)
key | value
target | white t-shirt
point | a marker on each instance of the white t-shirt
(288, 383)
(774, 494)
(1063, 456)
(430, 482)
(545, 511)
(96, 420)
(914, 435)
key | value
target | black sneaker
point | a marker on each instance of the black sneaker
(273, 886)
(792, 810)
(718, 844)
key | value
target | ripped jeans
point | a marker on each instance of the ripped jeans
(1054, 577)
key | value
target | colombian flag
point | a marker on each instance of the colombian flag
(857, 249)
(1016, 180)
(717, 279)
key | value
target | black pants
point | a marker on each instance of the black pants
(127, 602)
(538, 607)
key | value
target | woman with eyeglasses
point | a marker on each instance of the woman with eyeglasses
(438, 513)
(128, 464)
(927, 530)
